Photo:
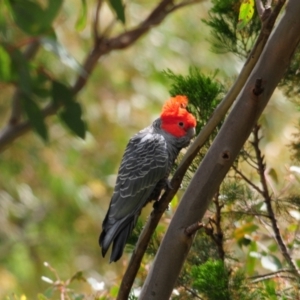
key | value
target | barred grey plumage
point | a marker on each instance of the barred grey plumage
(145, 167)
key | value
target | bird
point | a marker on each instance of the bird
(143, 174)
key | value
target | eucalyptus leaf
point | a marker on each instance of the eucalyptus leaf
(33, 18)
(61, 94)
(246, 13)
(72, 117)
(118, 7)
(35, 117)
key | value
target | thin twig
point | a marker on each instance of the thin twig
(245, 178)
(96, 21)
(259, 7)
(271, 274)
(248, 213)
(268, 202)
(192, 292)
(218, 237)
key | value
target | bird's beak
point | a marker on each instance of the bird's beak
(191, 132)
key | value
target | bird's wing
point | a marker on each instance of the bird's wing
(144, 163)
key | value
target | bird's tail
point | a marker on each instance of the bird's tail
(117, 234)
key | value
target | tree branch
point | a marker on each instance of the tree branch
(245, 178)
(191, 153)
(271, 67)
(96, 21)
(268, 202)
(218, 237)
(258, 278)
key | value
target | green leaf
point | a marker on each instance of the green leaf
(35, 117)
(31, 17)
(61, 94)
(71, 116)
(20, 68)
(246, 13)
(81, 21)
(118, 7)
(5, 65)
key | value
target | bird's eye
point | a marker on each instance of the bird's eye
(181, 124)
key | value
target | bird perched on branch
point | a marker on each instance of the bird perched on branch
(144, 171)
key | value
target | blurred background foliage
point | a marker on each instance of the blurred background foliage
(54, 194)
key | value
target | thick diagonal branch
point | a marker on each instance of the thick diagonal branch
(271, 67)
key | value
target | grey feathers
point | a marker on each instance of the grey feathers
(147, 162)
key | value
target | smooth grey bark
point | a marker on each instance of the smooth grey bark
(269, 70)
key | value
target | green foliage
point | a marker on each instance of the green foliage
(212, 280)
(246, 13)
(31, 17)
(53, 199)
(71, 115)
(204, 92)
(226, 29)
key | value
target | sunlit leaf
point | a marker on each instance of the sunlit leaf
(271, 262)
(5, 65)
(81, 21)
(246, 13)
(71, 116)
(35, 117)
(52, 45)
(114, 291)
(241, 231)
(47, 279)
(118, 7)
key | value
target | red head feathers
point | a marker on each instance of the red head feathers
(176, 120)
